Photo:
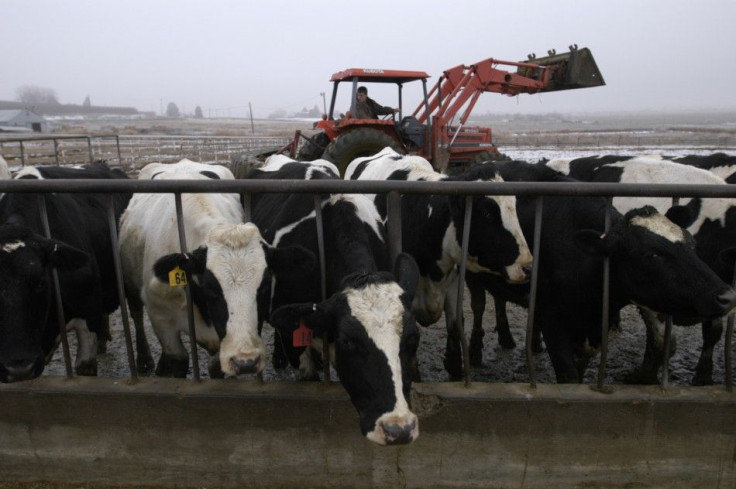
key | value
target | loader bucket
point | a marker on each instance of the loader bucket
(574, 69)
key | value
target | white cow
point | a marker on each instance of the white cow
(225, 271)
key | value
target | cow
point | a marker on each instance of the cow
(722, 164)
(80, 249)
(711, 222)
(651, 261)
(432, 227)
(365, 316)
(228, 265)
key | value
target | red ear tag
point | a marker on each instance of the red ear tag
(302, 335)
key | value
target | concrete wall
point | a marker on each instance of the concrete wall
(162, 432)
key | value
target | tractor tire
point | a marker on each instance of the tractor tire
(313, 148)
(356, 143)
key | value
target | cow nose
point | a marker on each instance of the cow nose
(727, 300)
(399, 434)
(245, 365)
(19, 370)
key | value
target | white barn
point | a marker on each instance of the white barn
(21, 120)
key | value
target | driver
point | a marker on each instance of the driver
(367, 108)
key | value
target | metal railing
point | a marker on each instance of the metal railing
(132, 152)
(394, 189)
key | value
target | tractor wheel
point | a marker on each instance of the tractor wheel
(313, 147)
(356, 143)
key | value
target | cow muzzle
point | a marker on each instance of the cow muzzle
(395, 430)
(18, 370)
(240, 365)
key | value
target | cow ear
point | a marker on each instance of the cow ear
(64, 257)
(316, 317)
(193, 264)
(681, 215)
(406, 272)
(290, 259)
(592, 242)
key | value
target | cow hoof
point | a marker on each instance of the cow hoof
(703, 374)
(278, 358)
(145, 365)
(454, 366)
(506, 341)
(171, 366)
(87, 368)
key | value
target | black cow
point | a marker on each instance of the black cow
(712, 222)
(652, 265)
(431, 232)
(88, 287)
(366, 317)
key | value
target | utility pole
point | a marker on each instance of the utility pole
(252, 128)
(324, 102)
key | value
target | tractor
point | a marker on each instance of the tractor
(431, 130)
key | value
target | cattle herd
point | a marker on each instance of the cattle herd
(666, 258)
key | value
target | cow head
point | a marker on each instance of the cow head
(654, 260)
(496, 243)
(224, 277)
(26, 297)
(374, 338)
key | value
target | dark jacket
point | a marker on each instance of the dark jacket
(370, 109)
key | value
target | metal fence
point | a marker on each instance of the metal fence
(394, 189)
(132, 152)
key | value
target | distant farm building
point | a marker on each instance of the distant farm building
(21, 120)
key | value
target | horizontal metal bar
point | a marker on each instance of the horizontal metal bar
(525, 189)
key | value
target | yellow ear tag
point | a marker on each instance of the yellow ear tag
(177, 277)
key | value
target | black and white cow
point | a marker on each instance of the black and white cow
(722, 164)
(652, 265)
(366, 317)
(79, 222)
(712, 222)
(432, 228)
(227, 267)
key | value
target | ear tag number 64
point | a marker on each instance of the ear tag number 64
(177, 277)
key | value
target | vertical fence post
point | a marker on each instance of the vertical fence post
(89, 148)
(121, 288)
(605, 306)
(56, 151)
(57, 290)
(22, 155)
(533, 292)
(323, 277)
(187, 291)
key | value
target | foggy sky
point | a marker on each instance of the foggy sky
(222, 55)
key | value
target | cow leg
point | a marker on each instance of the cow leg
(144, 359)
(278, 357)
(86, 360)
(561, 353)
(307, 368)
(505, 339)
(478, 306)
(647, 372)
(104, 336)
(214, 367)
(174, 361)
(453, 354)
(712, 331)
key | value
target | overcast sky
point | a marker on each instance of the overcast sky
(276, 54)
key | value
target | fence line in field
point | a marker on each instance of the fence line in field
(134, 152)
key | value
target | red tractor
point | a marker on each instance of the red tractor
(430, 131)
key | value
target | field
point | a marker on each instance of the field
(528, 138)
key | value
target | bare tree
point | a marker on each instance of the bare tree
(87, 102)
(31, 94)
